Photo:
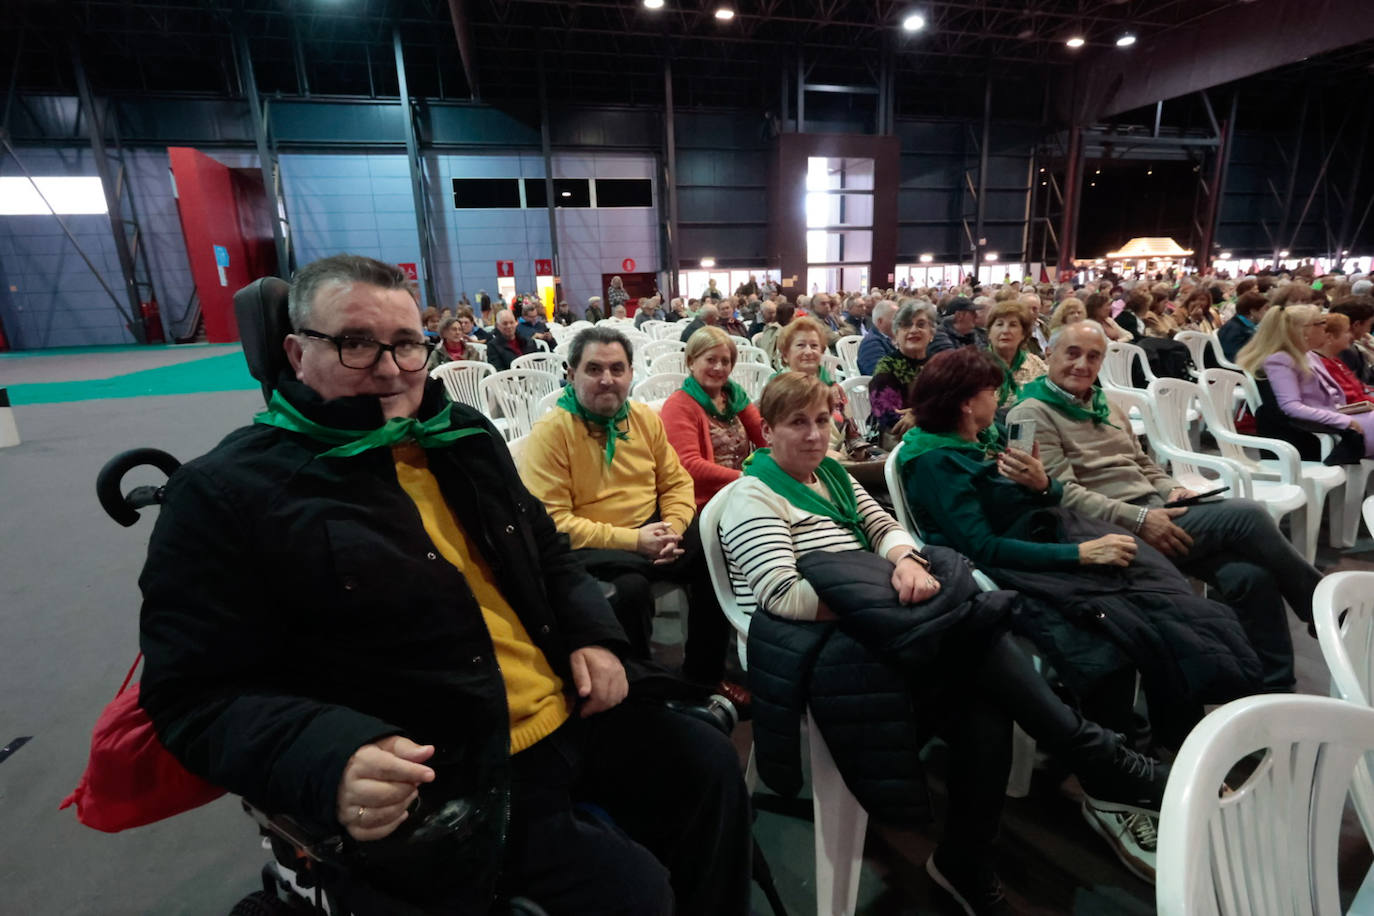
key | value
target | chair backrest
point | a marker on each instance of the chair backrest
(646, 354)
(1270, 844)
(666, 330)
(719, 568)
(462, 380)
(658, 386)
(1216, 397)
(545, 404)
(856, 389)
(1343, 611)
(479, 350)
(1369, 514)
(1171, 399)
(556, 364)
(648, 325)
(669, 362)
(542, 345)
(752, 377)
(741, 341)
(751, 354)
(892, 474)
(516, 447)
(260, 309)
(847, 349)
(831, 362)
(512, 394)
(1198, 344)
(1118, 365)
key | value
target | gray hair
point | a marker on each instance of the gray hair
(1066, 328)
(601, 335)
(884, 310)
(1361, 287)
(339, 268)
(906, 315)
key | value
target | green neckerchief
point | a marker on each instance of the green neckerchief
(736, 398)
(1009, 389)
(430, 433)
(841, 507)
(917, 442)
(1042, 390)
(569, 402)
(821, 373)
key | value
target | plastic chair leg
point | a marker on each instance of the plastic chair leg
(1356, 483)
(840, 827)
(1022, 763)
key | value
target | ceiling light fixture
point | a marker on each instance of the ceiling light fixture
(567, 194)
(653, 4)
(990, 256)
(708, 263)
(913, 22)
(927, 258)
(725, 14)
(1284, 253)
(1076, 41)
(1125, 41)
(1226, 255)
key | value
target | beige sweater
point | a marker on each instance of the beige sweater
(1103, 468)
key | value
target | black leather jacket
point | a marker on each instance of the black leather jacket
(295, 609)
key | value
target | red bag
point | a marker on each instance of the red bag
(131, 779)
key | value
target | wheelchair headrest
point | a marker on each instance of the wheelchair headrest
(260, 308)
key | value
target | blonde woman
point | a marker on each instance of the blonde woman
(1068, 312)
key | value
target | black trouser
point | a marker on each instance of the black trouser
(633, 575)
(1002, 687)
(667, 830)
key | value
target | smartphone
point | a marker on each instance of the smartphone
(1021, 435)
(1194, 500)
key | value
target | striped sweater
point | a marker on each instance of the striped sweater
(763, 534)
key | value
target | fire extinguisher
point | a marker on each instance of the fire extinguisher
(152, 323)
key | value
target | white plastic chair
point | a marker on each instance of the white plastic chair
(514, 393)
(645, 355)
(462, 380)
(1369, 515)
(741, 341)
(478, 349)
(1118, 362)
(1269, 845)
(516, 447)
(751, 354)
(1348, 647)
(847, 349)
(1164, 408)
(545, 404)
(669, 362)
(649, 326)
(668, 330)
(856, 390)
(831, 363)
(1270, 478)
(556, 364)
(752, 377)
(543, 344)
(658, 386)
(1198, 343)
(841, 821)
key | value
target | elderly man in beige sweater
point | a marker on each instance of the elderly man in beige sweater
(1233, 545)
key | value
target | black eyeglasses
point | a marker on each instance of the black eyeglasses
(365, 353)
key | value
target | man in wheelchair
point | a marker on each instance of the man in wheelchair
(355, 615)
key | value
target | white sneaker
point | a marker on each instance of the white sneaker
(1132, 835)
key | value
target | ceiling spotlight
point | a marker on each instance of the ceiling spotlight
(1226, 255)
(1125, 41)
(1284, 253)
(725, 14)
(653, 4)
(927, 258)
(566, 194)
(1076, 42)
(990, 256)
(708, 263)
(913, 22)
(1098, 172)
(1149, 171)
(1092, 184)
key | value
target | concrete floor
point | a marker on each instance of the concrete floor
(68, 628)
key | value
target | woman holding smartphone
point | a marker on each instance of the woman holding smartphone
(1100, 601)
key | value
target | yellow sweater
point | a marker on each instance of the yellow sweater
(599, 505)
(534, 693)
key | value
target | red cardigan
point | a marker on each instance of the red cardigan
(689, 432)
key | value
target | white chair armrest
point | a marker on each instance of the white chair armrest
(1290, 465)
(1232, 474)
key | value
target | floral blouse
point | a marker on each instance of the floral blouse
(890, 389)
(729, 442)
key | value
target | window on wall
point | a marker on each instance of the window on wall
(486, 193)
(624, 192)
(839, 222)
(66, 195)
(567, 192)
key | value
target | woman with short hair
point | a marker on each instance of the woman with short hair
(966, 679)
(801, 348)
(1197, 311)
(1068, 312)
(710, 421)
(1099, 308)
(1236, 333)
(894, 377)
(1009, 328)
(453, 344)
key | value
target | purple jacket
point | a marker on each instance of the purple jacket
(1311, 397)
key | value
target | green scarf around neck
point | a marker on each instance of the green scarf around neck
(736, 399)
(430, 433)
(1008, 389)
(1099, 412)
(821, 373)
(569, 402)
(917, 442)
(842, 507)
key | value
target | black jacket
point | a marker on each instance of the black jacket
(872, 679)
(501, 351)
(295, 609)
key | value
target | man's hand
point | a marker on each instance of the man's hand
(1160, 532)
(379, 782)
(659, 542)
(913, 582)
(1178, 493)
(599, 678)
